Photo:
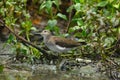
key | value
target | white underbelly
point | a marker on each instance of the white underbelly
(57, 48)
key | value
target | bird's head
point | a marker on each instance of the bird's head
(46, 33)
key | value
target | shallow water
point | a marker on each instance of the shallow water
(27, 75)
(24, 71)
(45, 72)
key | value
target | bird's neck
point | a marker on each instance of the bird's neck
(46, 38)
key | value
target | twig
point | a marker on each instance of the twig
(25, 41)
(69, 19)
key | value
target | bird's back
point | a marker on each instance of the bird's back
(65, 42)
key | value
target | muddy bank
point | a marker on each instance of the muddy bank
(77, 69)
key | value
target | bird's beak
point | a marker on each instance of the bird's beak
(41, 33)
(37, 33)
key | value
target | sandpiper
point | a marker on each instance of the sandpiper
(59, 44)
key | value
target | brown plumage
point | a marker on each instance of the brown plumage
(65, 42)
(59, 44)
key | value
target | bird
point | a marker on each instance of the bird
(57, 43)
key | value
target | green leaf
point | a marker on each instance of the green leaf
(52, 23)
(10, 39)
(57, 30)
(36, 52)
(70, 8)
(27, 15)
(116, 6)
(77, 6)
(42, 6)
(84, 33)
(76, 27)
(26, 25)
(82, 1)
(119, 30)
(56, 2)
(49, 6)
(102, 4)
(52, 26)
(80, 22)
(33, 28)
(77, 1)
(62, 16)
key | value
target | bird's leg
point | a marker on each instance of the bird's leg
(55, 58)
(62, 65)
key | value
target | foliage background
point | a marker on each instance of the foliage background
(94, 21)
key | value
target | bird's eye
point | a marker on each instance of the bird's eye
(45, 31)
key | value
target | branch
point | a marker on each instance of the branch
(24, 40)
